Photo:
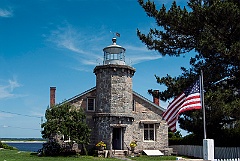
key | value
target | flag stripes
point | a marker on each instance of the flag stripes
(191, 103)
(174, 107)
(189, 100)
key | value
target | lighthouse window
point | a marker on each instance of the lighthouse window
(114, 56)
(121, 56)
(91, 104)
(108, 56)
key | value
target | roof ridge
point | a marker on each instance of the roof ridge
(134, 92)
(76, 96)
(159, 107)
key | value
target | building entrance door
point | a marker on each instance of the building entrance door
(117, 139)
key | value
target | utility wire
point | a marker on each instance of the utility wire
(20, 114)
(7, 126)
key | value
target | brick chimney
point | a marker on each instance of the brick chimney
(52, 96)
(155, 95)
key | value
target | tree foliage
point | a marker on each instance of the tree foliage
(6, 146)
(211, 29)
(68, 121)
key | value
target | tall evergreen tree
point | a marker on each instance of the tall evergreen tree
(211, 28)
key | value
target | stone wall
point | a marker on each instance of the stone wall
(146, 112)
(106, 122)
(113, 100)
(130, 123)
(114, 88)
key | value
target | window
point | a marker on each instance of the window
(91, 104)
(133, 105)
(149, 132)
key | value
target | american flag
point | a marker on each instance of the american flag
(190, 99)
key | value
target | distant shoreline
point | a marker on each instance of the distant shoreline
(6, 141)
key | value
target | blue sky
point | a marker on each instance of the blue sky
(58, 43)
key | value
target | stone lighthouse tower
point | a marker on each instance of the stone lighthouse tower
(113, 97)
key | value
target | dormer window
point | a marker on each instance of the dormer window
(90, 104)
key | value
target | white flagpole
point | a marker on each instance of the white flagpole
(202, 104)
(208, 144)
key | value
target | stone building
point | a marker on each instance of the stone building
(115, 113)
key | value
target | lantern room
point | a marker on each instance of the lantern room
(114, 54)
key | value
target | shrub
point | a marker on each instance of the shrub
(51, 149)
(5, 146)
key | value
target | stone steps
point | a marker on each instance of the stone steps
(119, 153)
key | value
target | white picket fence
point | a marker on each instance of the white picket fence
(236, 159)
(220, 153)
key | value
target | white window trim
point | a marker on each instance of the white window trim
(154, 134)
(94, 103)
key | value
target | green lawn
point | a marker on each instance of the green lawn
(14, 155)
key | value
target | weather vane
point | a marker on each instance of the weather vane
(115, 33)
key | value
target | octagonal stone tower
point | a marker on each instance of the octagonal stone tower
(114, 81)
(113, 96)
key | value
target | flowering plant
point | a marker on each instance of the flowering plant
(133, 144)
(101, 144)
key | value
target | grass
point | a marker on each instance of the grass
(5, 146)
(14, 155)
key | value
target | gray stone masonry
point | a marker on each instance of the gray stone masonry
(144, 113)
(129, 122)
(113, 99)
(114, 109)
(114, 88)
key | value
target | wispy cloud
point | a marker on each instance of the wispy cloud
(83, 68)
(87, 47)
(69, 38)
(6, 91)
(6, 12)
(138, 54)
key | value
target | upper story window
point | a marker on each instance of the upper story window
(149, 132)
(133, 105)
(91, 104)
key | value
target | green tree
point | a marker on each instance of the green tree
(211, 29)
(68, 121)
